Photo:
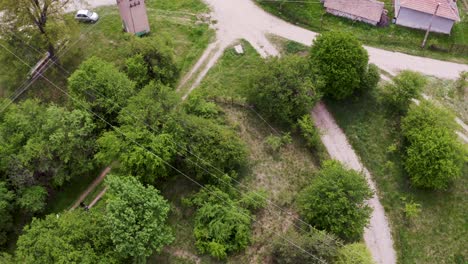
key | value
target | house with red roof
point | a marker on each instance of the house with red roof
(418, 13)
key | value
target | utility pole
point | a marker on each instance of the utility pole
(430, 25)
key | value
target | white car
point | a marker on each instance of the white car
(87, 16)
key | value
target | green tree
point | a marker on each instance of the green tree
(6, 198)
(137, 217)
(319, 246)
(158, 58)
(147, 158)
(71, 237)
(341, 61)
(210, 143)
(42, 23)
(221, 225)
(283, 90)
(355, 253)
(46, 144)
(434, 156)
(336, 201)
(405, 86)
(100, 87)
(32, 199)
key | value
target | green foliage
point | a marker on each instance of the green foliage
(32, 199)
(371, 78)
(355, 253)
(277, 142)
(198, 106)
(100, 87)
(137, 70)
(310, 132)
(341, 61)
(462, 84)
(210, 143)
(136, 217)
(6, 198)
(72, 237)
(412, 210)
(147, 158)
(158, 58)
(434, 156)
(47, 144)
(336, 201)
(320, 247)
(254, 200)
(283, 90)
(405, 86)
(221, 225)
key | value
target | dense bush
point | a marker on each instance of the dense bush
(434, 156)
(405, 86)
(336, 201)
(154, 55)
(341, 61)
(100, 87)
(210, 143)
(33, 199)
(283, 90)
(356, 253)
(221, 225)
(315, 247)
(6, 198)
(310, 132)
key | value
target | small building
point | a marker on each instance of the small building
(418, 13)
(368, 11)
(134, 17)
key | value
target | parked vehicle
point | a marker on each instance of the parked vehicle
(86, 16)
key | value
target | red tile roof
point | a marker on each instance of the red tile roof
(368, 9)
(447, 9)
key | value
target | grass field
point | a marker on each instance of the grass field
(312, 15)
(439, 233)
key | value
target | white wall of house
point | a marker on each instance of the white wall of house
(415, 19)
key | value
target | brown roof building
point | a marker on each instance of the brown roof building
(134, 17)
(368, 11)
(418, 14)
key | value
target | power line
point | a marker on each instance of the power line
(152, 153)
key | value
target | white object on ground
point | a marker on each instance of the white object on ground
(238, 48)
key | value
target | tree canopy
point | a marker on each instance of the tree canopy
(136, 217)
(283, 90)
(71, 237)
(100, 87)
(341, 60)
(336, 201)
(6, 198)
(434, 156)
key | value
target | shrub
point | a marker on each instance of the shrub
(221, 226)
(434, 156)
(137, 70)
(336, 201)
(320, 247)
(275, 143)
(33, 198)
(198, 106)
(310, 132)
(371, 78)
(283, 90)
(356, 253)
(406, 86)
(342, 61)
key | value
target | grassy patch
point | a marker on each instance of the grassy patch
(439, 234)
(313, 16)
(174, 21)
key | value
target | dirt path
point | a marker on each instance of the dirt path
(91, 187)
(378, 234)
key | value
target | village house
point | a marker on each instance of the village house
(134, 17)
(368, 11)
(418, 13)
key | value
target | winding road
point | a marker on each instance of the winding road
(243, 19)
